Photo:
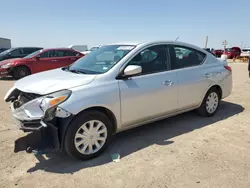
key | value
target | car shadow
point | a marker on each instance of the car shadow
(133, 140)
(9, 78)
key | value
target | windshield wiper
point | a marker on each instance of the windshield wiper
(73, 70)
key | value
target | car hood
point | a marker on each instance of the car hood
(52, 81)
(10, 61)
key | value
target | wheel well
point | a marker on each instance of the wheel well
(218, 88)
(108, 113)
(21, 66)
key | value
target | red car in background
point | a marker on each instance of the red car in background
(233, 52)
(41, 60)
(218, 52)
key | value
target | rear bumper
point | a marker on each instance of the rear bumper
(227, 86)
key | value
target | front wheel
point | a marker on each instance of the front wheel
(88, 135)
(210, 103)
(20, 72)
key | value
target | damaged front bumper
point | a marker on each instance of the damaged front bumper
(42, 136)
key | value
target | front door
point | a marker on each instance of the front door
(47, 61)
(151, 94)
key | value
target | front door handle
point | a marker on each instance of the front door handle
(54, 60)
(207, 75)
(73, 58)
(167, 82)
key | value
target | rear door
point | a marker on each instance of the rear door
(192, 75)
(67, 57)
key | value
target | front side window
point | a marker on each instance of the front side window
(47, 54)
(153, 59)
(101, 60)
(182, 57)
(33, 54)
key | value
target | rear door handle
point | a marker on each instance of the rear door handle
(167, 82)
(73, 58)
(207, 75)
(54, 60)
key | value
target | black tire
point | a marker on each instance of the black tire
(77, 122)
(20, 72)
(202, 110)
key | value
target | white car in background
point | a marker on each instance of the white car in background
(245, 52)
(79, 108)
(91, 50)
(78, 48)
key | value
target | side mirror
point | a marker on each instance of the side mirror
(132, 70)
(38, 58)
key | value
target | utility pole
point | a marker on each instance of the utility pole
(224, 44)
(206, 42)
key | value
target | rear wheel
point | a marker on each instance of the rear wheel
(20, 72)
(88, 135)
(210, 103)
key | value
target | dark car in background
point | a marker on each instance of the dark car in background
(38, 61)
(17, 52)
(3, 49)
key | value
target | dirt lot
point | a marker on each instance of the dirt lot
(183, 151)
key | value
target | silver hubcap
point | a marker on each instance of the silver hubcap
(22, 72)
(90, 137)
(212, 102)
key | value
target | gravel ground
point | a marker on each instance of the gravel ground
(182, 151)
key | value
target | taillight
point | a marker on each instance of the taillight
(228, 68)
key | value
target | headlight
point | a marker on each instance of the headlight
(50, 102)
(8, 65)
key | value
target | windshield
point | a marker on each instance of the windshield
(6, 52)
(32, 54)
(100, 60)
(228, 49)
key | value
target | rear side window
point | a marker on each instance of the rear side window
(64, 53)
(182, 57)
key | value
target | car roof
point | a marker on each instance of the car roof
(58, 49)
(146, 43)
(25, 47)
